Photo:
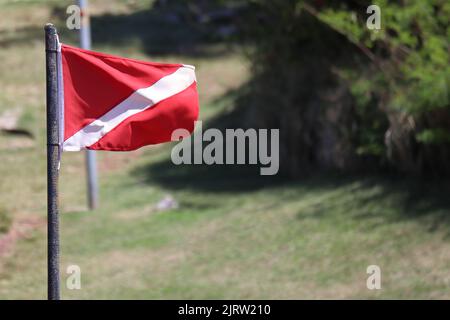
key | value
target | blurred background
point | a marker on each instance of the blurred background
(364, 121)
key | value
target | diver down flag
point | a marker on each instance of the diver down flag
(119, 104)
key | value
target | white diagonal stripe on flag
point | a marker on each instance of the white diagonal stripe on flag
(138, 101)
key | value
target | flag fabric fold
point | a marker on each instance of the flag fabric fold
(120, 104)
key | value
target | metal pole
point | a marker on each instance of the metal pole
(91, 168)
(51, 47)
(85, 28)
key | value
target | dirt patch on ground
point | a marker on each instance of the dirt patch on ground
(19, 229)
(9, 119)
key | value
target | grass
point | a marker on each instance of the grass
(235, 234)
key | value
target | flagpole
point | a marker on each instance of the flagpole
(51, 47)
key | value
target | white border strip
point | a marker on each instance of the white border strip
(60, 85)
(138, 101)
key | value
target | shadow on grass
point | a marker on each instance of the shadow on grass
(382, 199)
(373, 200)
(157, 31)
(206, 178)
(413, 198)
(163, 31)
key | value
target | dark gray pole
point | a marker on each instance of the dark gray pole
(51, 47)
(91, 167)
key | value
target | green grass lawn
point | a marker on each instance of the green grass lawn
(234, 235)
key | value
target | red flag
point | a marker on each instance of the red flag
(119, 104)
